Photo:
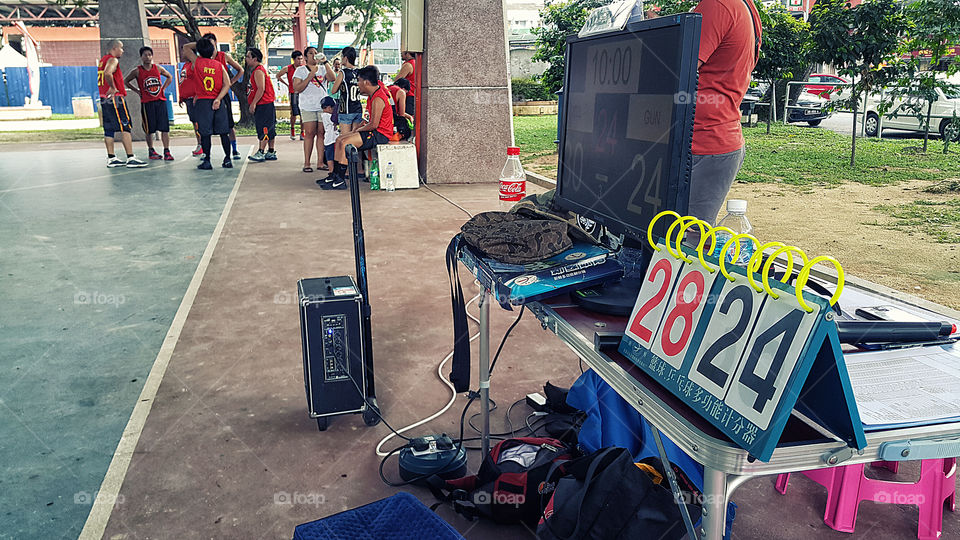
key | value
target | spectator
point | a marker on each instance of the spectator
(350, 111)
(729, 47)
(260, 99)
(337, 66)
(153, 103)
(330, 132)
(285, 77)
(377, 130)
(308, 81)
(399, 92)
(408, 71)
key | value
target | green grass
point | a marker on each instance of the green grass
(941, 220)
(795, 155)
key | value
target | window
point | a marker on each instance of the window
(225, 47)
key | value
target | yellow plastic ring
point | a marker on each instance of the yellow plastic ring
(712, 235)
(654, 220)
(735, 241)
(754, 264)
(805, 276)
(786, 275)
(683, 229)
(666, 239)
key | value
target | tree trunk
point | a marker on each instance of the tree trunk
(771, 110)
(250, 41)
(926, 127)
(853, 141)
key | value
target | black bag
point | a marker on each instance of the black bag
(516, 239)
(605, 496)
(504, 490)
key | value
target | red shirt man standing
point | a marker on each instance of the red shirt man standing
(113, 107)
(729, 46)
(153, 103)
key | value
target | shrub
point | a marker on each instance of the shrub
(530, 90)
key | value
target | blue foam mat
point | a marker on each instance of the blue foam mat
(399, 517)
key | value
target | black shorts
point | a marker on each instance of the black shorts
(229, 106)
(190, 115)
(116, 117)
(410, 106)
(209, 121)
(155, 117)
(265, 118)
(371, 139)
(294, 104)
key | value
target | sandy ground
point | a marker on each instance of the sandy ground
(841, 222)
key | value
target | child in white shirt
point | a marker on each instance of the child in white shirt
(330, 131)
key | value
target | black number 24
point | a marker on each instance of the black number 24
(707, 368)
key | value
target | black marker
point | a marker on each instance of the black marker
(893, 331)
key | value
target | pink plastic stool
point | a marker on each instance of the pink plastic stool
(847, 486)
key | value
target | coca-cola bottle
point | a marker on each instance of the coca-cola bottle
(513, 181)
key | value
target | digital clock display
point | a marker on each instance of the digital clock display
(627, 121)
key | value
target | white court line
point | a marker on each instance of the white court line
(96, 523)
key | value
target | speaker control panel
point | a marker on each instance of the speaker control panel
(335, 354)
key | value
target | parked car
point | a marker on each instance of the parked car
(823, 84)
(809, 108)
(901, 115)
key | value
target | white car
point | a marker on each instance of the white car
(901, 116)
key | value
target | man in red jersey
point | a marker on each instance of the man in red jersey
(729, 47)
(408, 71)
(285, 77)
(260, 98)
(227, 62)
(113, 107)
(188, 91)
(153, 103)
(377, 130)
(212, 85)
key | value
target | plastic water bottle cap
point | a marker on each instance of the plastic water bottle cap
(513, 150)
(737, 206)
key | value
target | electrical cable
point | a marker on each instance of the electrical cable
(465, 211)
(505, 336)
(507, 419)
(444, 380)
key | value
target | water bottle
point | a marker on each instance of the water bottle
(389, 177)
(374, 176)
(513, 181)
(736, 219)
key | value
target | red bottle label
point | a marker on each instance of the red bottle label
(512, 190)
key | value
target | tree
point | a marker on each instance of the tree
(251, 34)
(269, 28)
(559, 20)
(373, 21)
(188, 28)
(935, 29)
(327, 12)
(860, 41)
(784, 54)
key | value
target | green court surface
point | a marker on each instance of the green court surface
(94, 263)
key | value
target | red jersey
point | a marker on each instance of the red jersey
(208, 76)
(394, 90)
(252, 89)
(729, 38)
(386, 117)
(221, 57)
(412, 77)
(288, 72)
(188, 86)
(117, 78)
(149, 83)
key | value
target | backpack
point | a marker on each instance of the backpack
(510, 484)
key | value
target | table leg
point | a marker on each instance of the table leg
(715, 492)
(485, 370)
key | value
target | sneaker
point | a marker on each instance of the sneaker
(338, 183)
(154, 155)
(167, 156)
(258, 157)
(134, 163)
(115, 162)
(271, 155)
(301, 136)
(327, 180)
(236, 155)
(227, 164)
(205, 164)
(293, 137)
(198, 152)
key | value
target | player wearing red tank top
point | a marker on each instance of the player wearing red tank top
(188, 90)
(378, 128)
(228, 63)
(260, 98)
(113, 107)
(212, 84)
(151, 88)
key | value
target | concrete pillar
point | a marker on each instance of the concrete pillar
(126, 20)
(300, 27)
(465, 121)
